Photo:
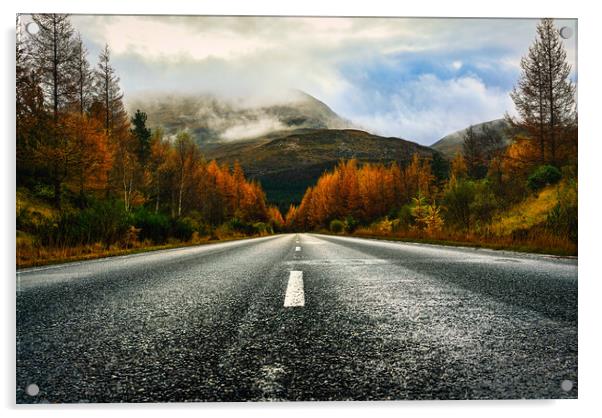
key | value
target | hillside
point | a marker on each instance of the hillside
(287, 163)
(212, 119)
(451, 144)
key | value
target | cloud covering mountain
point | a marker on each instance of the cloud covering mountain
(210, 118)
(416, 78)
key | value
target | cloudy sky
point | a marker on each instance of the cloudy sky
(418, 79)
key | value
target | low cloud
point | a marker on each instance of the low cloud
(252, 129)
(462, 71)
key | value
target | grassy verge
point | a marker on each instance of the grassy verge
(501, 243)
(41, 256)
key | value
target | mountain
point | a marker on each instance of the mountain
(451, 144)
(212, 119)
(286, 163)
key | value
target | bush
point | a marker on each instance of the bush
(337, 226)
(458, 201)
(406, 218)
(543, 176)
(105, 222)
(183, 228)
(153, 226)
(350, 224)
(261, 228)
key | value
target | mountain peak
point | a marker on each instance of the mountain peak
(210, 118)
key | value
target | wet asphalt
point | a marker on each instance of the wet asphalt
(381, 321)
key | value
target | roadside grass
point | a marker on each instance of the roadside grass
(31, 255)
(519, 228)
(528, 213)
(537, 241)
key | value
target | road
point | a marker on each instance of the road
(299, 317)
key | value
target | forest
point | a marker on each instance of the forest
(93, 180)
(522, 196)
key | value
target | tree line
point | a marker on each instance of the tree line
(78, 147)
(487, 177)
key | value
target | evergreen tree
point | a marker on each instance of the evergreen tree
(143, 135)
(109, 97)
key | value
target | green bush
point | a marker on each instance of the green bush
(406, 218)
(337, 226)
(105, 222)
(458, 202)
(153, 226)
(236, 224)
(260, 228)
(543, 176)
(183, 228)
(350, 223)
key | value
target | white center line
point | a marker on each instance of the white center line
(295, 295)
(297, 248)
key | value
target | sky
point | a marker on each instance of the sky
(418, 79)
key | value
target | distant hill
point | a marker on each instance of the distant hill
(211, 119)
(287, 163)
(451, 144)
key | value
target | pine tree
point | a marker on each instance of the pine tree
(545, 96)
(143, 135)
(109, 97)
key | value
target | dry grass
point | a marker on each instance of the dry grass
(518, 229)
(535, 241)
(527, 214)
(29, 254)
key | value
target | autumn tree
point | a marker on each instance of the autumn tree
(158, 166)
(32, 121)
(90, 156)
(184, 159)
(83, 76)
(473, 151)
(545, 96)
(53, 56)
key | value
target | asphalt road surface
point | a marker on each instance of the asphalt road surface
(299, 317)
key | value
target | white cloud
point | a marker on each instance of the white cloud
(429, 108)
(265, 56)
(252, 129)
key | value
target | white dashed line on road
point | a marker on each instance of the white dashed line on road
(297, 248)
(295, 295)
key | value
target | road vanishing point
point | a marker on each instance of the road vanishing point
(299, 317)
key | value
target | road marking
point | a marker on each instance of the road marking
(295, 295)
(297, 248)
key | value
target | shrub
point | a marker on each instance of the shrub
(105, 222)
(543, 176)
(406, 219)
(183, 228)
(153, 226)
(260, 228)
(458, 201)
(337, 226)
(350, 223)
